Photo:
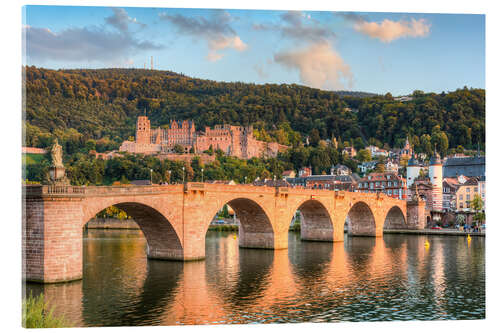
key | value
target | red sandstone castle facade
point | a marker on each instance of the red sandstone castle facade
(232, 140)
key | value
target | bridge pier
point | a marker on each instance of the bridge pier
(52, 247)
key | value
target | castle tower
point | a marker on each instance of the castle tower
(412, 171)
(436, 178)
(143, 130)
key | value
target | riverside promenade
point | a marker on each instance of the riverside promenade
(446, 232)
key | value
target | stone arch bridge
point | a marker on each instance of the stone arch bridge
(175, 219)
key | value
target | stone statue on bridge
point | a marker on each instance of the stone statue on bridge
(56, 154)
(57, 172)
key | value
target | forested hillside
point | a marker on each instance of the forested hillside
(101, 107)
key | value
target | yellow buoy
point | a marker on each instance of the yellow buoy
(427, 244)
(234, 236)
(468, 237)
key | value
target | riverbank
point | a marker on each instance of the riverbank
(111, 223)
(223, 227)
(450, 232)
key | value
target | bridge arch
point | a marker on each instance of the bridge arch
(316, 222)
(395, 219)
(361, 220)
(163, 241)
(256, 229)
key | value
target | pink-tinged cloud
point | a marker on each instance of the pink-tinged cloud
(215, 29)
(221, 43)
(388, 31)
(319, 66)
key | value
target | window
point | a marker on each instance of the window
(389, 184)
(468, 197)
(461, 197)
(389, 192)
(461, 205)
(467, 189)
(377, 184)
(475, 189)
(371, 185)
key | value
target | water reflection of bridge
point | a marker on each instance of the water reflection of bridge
(252, 285)
(175, 218)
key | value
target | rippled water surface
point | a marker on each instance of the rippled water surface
(362, 279)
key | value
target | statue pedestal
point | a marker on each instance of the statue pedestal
(58, 175)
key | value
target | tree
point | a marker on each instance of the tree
(364, 155)
(178, 149)
(314, 137)
(380, 167)
(358, 143)
(426, 145)
(477, 205)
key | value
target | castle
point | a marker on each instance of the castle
(235, 141)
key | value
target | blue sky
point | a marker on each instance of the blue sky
(373, 52)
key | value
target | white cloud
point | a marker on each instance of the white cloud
(388, 30)
(319, 66)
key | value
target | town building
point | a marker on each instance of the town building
(327, 182)
(33, 150)
(376, 151)
(305, 172)
(235, 141)
(450, 186)
(288, 174)
(391, 166)
(465, 194)
(367, 166)
(407, 150)
(473, 166)
(350, 151)
(389, 183)
(340, 170)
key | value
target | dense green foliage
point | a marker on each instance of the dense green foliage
(97, 109)
(37, 314)
(85, 169)
(102, 106)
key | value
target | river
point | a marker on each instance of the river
(363, 279)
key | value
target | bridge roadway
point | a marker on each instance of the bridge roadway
(175, 219)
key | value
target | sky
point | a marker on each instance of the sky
(358, 51)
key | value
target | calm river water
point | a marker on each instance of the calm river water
(362, 279)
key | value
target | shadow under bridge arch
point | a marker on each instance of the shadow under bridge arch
(315, 224)
(255, 229)
(395, 219)
(360, 220)
(162, 239)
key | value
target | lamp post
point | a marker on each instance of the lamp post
(245, 179)
(170, 176)
(202, 175)
(183, 174)
(151, 175)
